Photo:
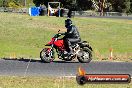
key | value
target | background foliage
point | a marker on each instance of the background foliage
(111, 5)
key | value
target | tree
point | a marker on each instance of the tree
(126, 6)
(69, 4)
(1, 3)
(19, 2)
(120, 5)
(13, 3)
(131, 6)
(115, 5)
(84, 4)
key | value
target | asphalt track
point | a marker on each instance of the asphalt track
(60, 68)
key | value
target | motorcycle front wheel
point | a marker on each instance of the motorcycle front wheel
(84, 55)
(45, 56)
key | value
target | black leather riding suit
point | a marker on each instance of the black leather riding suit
(71, 36)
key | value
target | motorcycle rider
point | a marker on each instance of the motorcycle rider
(71, 36)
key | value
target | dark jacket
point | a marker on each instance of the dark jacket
(72, 32)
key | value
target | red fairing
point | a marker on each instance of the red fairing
(51, 42)
(59, 43)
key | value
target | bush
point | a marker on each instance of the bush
(14, 5)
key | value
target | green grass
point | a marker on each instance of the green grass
(25, 36)
(51, 82)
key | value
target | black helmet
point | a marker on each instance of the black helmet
(68, 22)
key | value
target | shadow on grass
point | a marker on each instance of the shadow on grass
(38, 61)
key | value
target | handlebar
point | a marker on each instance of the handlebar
(57, 35)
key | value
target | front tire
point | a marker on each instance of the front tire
(45, 56)
(84, 55)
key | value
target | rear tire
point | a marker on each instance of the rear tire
(84, 55)
(45, 56)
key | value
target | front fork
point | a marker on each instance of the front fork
(52, 51)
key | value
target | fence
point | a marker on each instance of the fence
(74, 13)
(93, 13)
(14, 10)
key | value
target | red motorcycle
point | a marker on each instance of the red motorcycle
(81, 50)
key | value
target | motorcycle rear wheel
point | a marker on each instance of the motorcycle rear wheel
(45, 56)
(85, 55)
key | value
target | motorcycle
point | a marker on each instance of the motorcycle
(81, 50)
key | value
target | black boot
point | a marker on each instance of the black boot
(70, 50)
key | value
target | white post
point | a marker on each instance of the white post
(48, 8)
(111, 53)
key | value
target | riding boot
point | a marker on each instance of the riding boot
(70, 49)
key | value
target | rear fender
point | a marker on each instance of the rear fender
(85, 44)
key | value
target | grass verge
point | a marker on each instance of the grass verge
(51, 82)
